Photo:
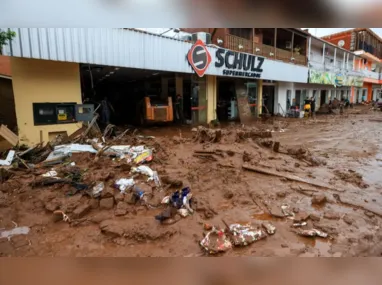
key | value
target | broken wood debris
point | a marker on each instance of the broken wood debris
(287, 176)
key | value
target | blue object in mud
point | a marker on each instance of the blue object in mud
(177, 198)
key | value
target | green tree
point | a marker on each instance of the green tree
(5, 37)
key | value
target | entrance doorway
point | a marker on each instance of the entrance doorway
(268, 99)
(323, 97)
(226, 108)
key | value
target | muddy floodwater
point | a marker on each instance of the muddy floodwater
(342, 197)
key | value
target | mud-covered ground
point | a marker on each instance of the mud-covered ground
(349, 145)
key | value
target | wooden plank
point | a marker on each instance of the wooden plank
(8, 139)
(288, 176)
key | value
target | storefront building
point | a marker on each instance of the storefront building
(55, 71)
(55, 67)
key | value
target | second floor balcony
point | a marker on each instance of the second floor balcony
(275, 44)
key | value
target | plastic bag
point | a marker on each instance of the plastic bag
(123, 184)
(97, 190)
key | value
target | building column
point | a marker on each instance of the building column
(369, 92)
(353, 93)
(259, 96)
(164, 93)
(179, 91)
(211, 98)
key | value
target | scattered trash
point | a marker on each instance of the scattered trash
(168, 213)
(72, 164)
(183, 212)
(9, 159)
(181, 199)
(14, 232)
(138, 194)
(157, 179)
(51, 173)
(145, 156)
(243, 235)
(145, 170)
(215, 242)
(124, 184)
(166, 200)
(287, 211)
(207, 227)
(297, 225)
(312, 233)
(97, 190)
(146, 137)
(65, 217)
(271, 229)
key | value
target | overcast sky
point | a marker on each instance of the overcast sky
(320, 32)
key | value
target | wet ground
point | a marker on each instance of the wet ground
(350, 145)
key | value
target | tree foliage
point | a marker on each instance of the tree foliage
(5, 38)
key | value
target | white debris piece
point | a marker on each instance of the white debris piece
(124, 184)
(9, 159)
(14, 232)
(51, 173)
(145, 170)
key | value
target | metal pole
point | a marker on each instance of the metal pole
(275, 41)
(323, 55)
(292, 43)
(335, 57)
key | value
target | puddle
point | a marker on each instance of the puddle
(263, 217)
(372, 173)
(322, 246)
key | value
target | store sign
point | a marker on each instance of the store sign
(239, 64)
(337, 80)
(199, 58)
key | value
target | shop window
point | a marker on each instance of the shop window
(252, 97)
(53, 113)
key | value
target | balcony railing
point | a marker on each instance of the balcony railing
(371, 74)
(244, 45)
(335, 69)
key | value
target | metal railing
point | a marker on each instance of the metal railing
(319, 66)
(244, 45)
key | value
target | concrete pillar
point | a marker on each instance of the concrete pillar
(259, 96)
(164, 93)
(211, 98)
(369, 92)
(179, 90)
(352, 94)
(179, 85)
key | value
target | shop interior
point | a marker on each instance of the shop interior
(226, 107)
(227, 104)
(137, 97)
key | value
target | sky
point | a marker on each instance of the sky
(318, 32)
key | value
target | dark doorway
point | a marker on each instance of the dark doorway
(268, 99)
(298, 102)
(323, 97)
(226, 100)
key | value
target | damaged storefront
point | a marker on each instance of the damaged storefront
(57, 88)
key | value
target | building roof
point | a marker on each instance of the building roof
(5, 66)
(354, 30)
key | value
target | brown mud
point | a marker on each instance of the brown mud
(350, 211)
